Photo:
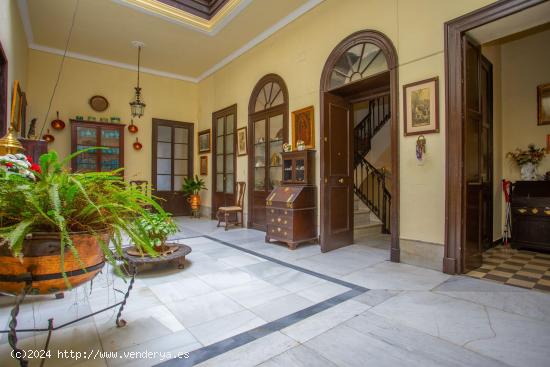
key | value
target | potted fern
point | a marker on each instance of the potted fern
(192, 186)
(57, 228)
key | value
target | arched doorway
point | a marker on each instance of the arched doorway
(361, 66)
(267, 132)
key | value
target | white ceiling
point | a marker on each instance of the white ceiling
(104, 29)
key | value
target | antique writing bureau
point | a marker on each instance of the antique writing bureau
(291, 209)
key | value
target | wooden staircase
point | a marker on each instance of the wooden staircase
(369, 182)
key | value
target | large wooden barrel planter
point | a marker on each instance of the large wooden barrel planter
(40, 265)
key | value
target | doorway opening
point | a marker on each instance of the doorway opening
(495, 62)
(359, 144)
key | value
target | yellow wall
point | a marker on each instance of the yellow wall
(14, 42)
(524, 66)
(165, 98)
(298, 53)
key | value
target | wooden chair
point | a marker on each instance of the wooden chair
(225, 213)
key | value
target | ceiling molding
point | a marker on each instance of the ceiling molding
(98, 60)
(188, 20)
(26, 20)
(23, 10)
(261, 37)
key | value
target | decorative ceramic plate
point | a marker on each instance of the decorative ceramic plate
(99, 103)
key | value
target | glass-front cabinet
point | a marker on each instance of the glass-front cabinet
(87, 134)
(299, 167)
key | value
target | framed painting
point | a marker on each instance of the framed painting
(16, 106)
(204, 165)
(548, 144)
(242, 141)
(303, 127)
(421, 107)
(543, 104)
(204, 141)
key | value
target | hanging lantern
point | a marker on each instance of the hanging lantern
(9, 144)
(132, 128)
(137, 106)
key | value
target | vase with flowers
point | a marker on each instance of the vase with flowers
(527, 161)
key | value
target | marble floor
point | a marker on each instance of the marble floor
(242, 302)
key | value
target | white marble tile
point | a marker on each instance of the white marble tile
(227, 278)
(517, 341)
(527, 303)
(462, 283)
(319, 323)
(322, 292)
(253, 353)
(300, 356)
(166, 347)
(295, 281)
(181, 289)
(417, 345)
(203, 267)
(197, 310)
(396, 276)
(281, 306)
(226, 326)
(242, 259)
(254, 293)
(142, 326)
(265, 269)
(342, 261)
(437, 315)
(375, 296)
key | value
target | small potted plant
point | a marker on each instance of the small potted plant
(158, 227)
(527, 161)
(192, 186)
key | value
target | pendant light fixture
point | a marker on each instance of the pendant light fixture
(137, 106)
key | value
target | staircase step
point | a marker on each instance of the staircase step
(361, 217)
(371, 229)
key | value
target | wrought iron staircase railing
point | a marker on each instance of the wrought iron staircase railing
(369, 182)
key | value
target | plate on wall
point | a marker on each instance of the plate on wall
(99, 103)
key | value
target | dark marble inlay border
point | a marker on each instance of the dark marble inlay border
(210, 351)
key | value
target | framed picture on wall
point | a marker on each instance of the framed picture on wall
(303, 127)
(548, 144)
(421, 107)
(204, 165)
(242, 141)
(543, 104)
(204, 141)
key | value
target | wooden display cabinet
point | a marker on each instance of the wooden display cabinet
(299, 167)
(87, 134)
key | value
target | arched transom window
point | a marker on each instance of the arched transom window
(270, 95)
(358, 62)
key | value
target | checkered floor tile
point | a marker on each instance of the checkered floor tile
(521, 268)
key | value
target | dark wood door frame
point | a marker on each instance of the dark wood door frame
(3, 92)
(384, 43)
(231, 110)
(281, 109)
(455, 194)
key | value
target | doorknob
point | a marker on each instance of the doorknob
(341, 180)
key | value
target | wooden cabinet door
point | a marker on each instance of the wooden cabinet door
(337, 168)
(172, 162)
(477, 155)
(224, 160)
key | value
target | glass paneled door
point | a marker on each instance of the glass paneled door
(224, 157)
(172, 162)
(267, 130)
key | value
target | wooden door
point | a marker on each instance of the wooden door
(337, 174)
(224, 162)
(172, 162)
(477, 155)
